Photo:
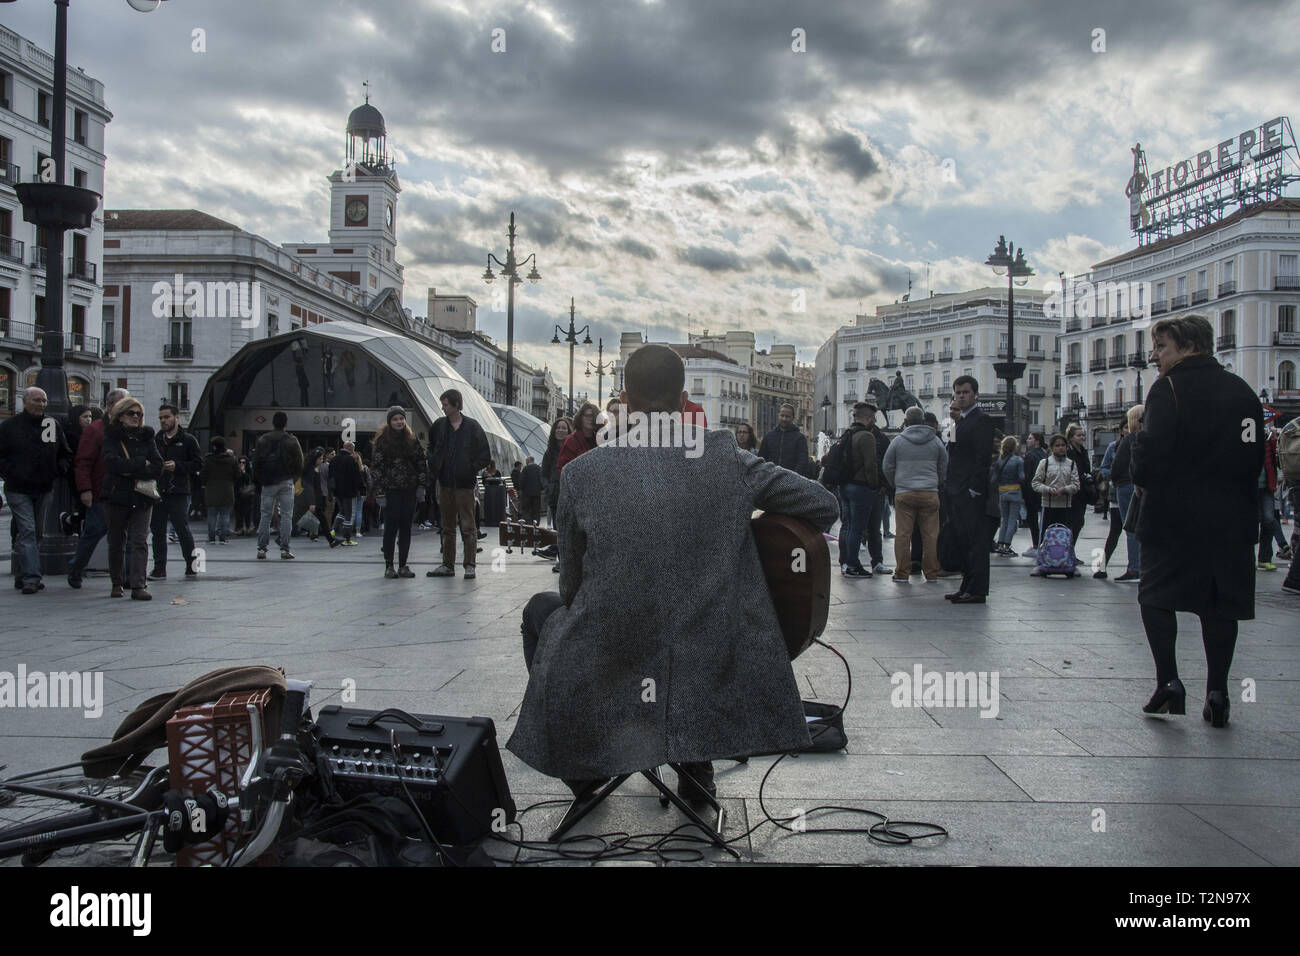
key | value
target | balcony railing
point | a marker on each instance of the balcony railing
(1073, 368)
(1073, 325)
(1098, 321)
(945, 355)
(1036, 391)
(1179, 302)
(1228, 288)
(1035, 355)
(1286, 282)
(109, 352)
(1117, 361)
(872, 364)
(10, 175)
(80, 342)
(1097, 365)
(81, 269)
(12, 331)
(909, 359)
(1225, 342)
(850, 399)
(38, 258)
(891, 361)
(850, 366)
(1159, 306)
(1286, 338)
(927, 358)
(1203, 295)
(1119, 317)
(11, 249)
(178, 350)
(967, 354)
(1116, 408)
(1138, 362)
(925, 393)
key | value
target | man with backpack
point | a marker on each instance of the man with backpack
(851, 465)
(1288, 462)
(277, 461)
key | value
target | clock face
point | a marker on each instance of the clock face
(388, 215)
(356, 211)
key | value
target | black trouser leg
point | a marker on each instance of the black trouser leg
(1033, 507)
(1112, 536)
(970, 511)
(1162, 635)
(1220, 638)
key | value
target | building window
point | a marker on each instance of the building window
(1286, 318)
(109, 327)
(1229, 267)
(1119, 393)
(6, 90)
(875, 354)
(1035, 343)
(968, 342)
(43, 101)
(1076, 353)
(1099, 349)
(909, 349)
(1138, 348)
(907, 383)
(1202, 278)
(180, 331)
(1035, 378)
(272, 324)
(1286, 376)
(79, 178)
(892, 352)
(1229, 323)
(1033, 416)
(947, 380)
(80, 126)
(1098, 397)
(6, 391)
(853, 356)
(178, 393)
(927, 382)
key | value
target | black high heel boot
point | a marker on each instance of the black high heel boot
(1216, 708)
(1169, 699)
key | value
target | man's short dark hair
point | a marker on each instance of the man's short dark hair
(453, 397)
(279, 420)
(1038, 436)
(169, 407)
(1187, 330)
(218, 444)
(654, 377)
(966, 380)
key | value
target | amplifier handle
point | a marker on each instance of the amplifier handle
(395, 714)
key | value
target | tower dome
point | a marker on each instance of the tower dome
(367, 122)
(366, 137)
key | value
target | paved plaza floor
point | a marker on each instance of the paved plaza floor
(1068, 772)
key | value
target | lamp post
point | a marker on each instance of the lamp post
(56, 207)
(826, 414)
(510, 272)
(1017, 272)
(601, 366)
(571, 336)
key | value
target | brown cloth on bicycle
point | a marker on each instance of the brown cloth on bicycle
(145, 729)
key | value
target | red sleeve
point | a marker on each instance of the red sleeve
(89, 450)
(568, 451)
(688, 408)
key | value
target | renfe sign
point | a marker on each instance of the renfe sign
(1226, 156)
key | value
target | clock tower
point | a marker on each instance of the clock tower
(363, 207)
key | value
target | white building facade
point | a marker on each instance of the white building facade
(716, 382)
(26, 121)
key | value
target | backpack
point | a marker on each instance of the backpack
(838, 460)
(269, 465)
(1288, 450)
(1056, 551)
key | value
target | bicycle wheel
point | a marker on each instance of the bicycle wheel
(29, 821)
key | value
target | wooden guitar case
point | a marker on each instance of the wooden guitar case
(801, 590)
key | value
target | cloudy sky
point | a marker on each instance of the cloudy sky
(683, 164)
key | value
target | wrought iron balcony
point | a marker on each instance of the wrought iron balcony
(891, 361)
(1286, 282)
(1228, 288)
(81, 269)
(925, 393)
(1073, 368)
(11, 249)
(38, 258)
(1098, 321)
(10, 175)
(1179, 302)
(909, 359)
(851, 399)
(1073, 325)
(11, 331)
(1116, 408)
(872, 364)
(1097, 365)
(1118, 361)
(945, 355)
(1159, 306)
(1202, 295)
(967, 354)
(178, 350)
(1035, 355)
(927, 358)
(85, 344)
(1225, 342)
(1036, 391)
(851, 366)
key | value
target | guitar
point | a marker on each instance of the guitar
(796, 564)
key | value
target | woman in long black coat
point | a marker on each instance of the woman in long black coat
(1197, 461)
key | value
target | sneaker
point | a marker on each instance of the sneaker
(261, 554)
(30, 587)
(405, 572)
(1128, 576)
(441, 572)
(1031, 553)
(889, 534)
(1100, 575)
(158, 574)
(348, 544)
(1266, 566)
(897, 580)
(74, 582)
(389, 572)
(172, 537)
(1284, 554)
(879, 568)
(469, 574)
(222, 541)
(334, 542)
(286, 554)
(482, 535)
(855, 571)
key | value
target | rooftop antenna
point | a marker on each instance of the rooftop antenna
(366, 85)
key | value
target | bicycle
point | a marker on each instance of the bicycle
(123, 817)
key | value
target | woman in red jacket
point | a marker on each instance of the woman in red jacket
(583, 438)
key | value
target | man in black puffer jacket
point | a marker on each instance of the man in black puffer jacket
(34, 453)
(785, 445)
(348, 485)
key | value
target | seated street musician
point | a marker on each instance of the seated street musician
(663, 644)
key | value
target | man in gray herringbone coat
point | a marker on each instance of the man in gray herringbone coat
(663, 644)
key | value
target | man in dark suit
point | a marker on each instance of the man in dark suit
(969, 456)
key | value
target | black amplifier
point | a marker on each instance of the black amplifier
(450, 765)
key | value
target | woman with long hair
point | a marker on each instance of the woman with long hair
(1107, 472)
(583, 438)
(245, 498)
(397, 468)
(745, 437)
(560, 430)
(1010, 469)
(130, 456)
(1075, 437)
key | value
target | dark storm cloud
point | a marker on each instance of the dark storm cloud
(706, 192)
(636, 248)
(847, 153)
(854, 288)
(712, 259)
(780, 259)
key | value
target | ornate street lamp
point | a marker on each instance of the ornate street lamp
(1017, 272)
(510, 272)
(601, 367)
(571, 336)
